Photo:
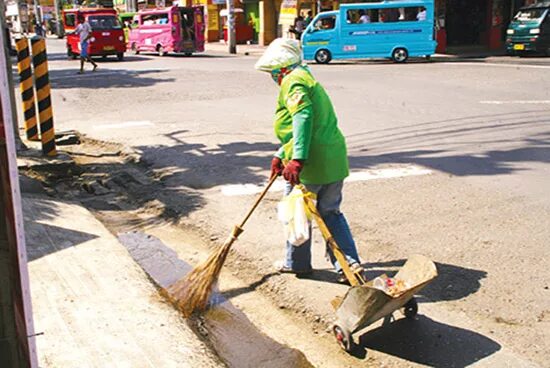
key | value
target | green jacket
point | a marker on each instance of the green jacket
(306, 125)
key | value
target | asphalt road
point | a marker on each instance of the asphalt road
(485, 121)
(473, 133)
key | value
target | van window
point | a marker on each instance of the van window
(529, 14)
(100, 22)
(326, 23)
(150, 19)
(386, 15)
(70, 19)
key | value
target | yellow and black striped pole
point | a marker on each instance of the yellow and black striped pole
(27, 87)
(42, 83)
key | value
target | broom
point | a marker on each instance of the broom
(192, 292)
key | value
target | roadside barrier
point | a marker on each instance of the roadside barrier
(26, 87)
(42, 83)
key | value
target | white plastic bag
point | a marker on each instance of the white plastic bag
(293, 213)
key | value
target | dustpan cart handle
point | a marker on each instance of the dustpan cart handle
(340, 256)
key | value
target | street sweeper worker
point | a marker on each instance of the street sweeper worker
(312, 146)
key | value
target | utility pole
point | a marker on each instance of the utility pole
(57, 4)
(231, 35)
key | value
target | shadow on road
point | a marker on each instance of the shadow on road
(43, 239)
(200, 167)
(452, 283)
(428, 342)
(104, 78)
(439, 144)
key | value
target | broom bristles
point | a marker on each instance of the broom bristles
(192, 292)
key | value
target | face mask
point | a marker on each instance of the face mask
(278, 74)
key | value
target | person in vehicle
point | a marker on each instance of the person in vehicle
(313, 149)
(84, 31)
(364, 18)
(421, 14)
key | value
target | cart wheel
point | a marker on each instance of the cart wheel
(410, 309)
(343, 337)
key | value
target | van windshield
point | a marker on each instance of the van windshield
(103, 22)
(529, 15)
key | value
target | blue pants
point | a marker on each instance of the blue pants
(84, 49)
(329, 197)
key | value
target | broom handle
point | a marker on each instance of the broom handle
(258, 200)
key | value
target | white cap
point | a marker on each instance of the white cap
(282, 52)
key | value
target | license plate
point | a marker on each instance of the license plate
(519, 46)
(108, 48)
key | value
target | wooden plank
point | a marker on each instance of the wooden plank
(13, 226)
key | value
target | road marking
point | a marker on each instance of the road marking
(127, 124)
(278, 186)
(518, 102)
(502, 65)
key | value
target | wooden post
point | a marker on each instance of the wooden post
(6, 58)
(17, 346)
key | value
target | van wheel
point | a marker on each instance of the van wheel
(120, 56)
(160, 50)
(188, 54)
(323, 56)
(400, 55)
(134, 48)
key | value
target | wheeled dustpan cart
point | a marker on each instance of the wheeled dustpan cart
(363, 304)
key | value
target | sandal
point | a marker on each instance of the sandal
(281, 268)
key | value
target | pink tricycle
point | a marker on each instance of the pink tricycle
(173, 29)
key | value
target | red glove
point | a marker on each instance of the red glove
(276, 166)
(291, 172)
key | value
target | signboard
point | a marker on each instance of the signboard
(12, 10)
(289, 12)
(213, 18)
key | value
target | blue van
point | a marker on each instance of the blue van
(389, 29)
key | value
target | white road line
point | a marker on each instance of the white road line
(127, 124)
(516, 102)
(495, 64)
(278, 186)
